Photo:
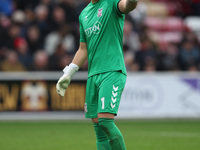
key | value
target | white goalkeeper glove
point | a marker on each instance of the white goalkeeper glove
(65, 79)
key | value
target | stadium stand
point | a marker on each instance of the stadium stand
(159, 30)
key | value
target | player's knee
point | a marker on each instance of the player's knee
(106, 115)
(106, 124)
(95, 120)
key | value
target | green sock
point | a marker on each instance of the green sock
(102, 139)
(114, 135)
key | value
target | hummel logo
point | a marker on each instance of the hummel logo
(114, 99)
(115, 88)
(114, 94)
(112, 105)
(86, 17)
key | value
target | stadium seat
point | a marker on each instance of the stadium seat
(172, 8)
(156, 9)
(165, 24)
(154, 23)
(171, 5)
(168, 37)
(174, 24)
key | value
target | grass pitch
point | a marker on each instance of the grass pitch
(79, 135)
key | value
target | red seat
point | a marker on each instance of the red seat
(174, 24)
(165, 24)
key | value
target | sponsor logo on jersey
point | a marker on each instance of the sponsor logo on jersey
(99, 14)
(95, 29)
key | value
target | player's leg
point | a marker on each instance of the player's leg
(102, 139)
(110, 92)
(115, 137)
(91, 106)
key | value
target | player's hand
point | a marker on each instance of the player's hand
(65, 79)
(62, 84)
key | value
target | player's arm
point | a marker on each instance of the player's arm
(69, 71)
(81, 55)
(125, 6)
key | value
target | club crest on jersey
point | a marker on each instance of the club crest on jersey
(100, 12)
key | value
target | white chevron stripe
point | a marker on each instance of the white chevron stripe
(114, 94)
(115, 88)
(112, 105)
(114, 100)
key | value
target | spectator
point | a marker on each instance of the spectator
(40, 61)
(47, 2)
(129, 59)
(18, 17)
(58, 18)
(22, 49)
(72, 19)
(131, 38)
(192, 68)
(147, 54)
(5, 24)
(69, 7)
(33, 39)
(13, 32)
(150, 64)
(11, 63)
(82, 5)
(6, 7)
(64, 60)
(23, 4)
(63, 36)
(189, 55)
(57, 57)
(168, 59)
(42, 14)
(52, 25)
(139, 14)
(3, 53)
(30, 17)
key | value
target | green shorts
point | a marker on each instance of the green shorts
(103, 93)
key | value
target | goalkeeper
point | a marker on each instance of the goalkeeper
(101, 34)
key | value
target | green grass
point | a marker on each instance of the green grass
(77, 135)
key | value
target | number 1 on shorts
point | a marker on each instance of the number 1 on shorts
(103, 102)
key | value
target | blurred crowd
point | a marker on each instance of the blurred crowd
(43, 35)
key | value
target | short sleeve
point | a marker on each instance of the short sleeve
(82, 33)
(116, 8)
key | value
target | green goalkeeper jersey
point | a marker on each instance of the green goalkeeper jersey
(101, 28)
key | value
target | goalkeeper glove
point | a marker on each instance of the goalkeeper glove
(65, 79)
